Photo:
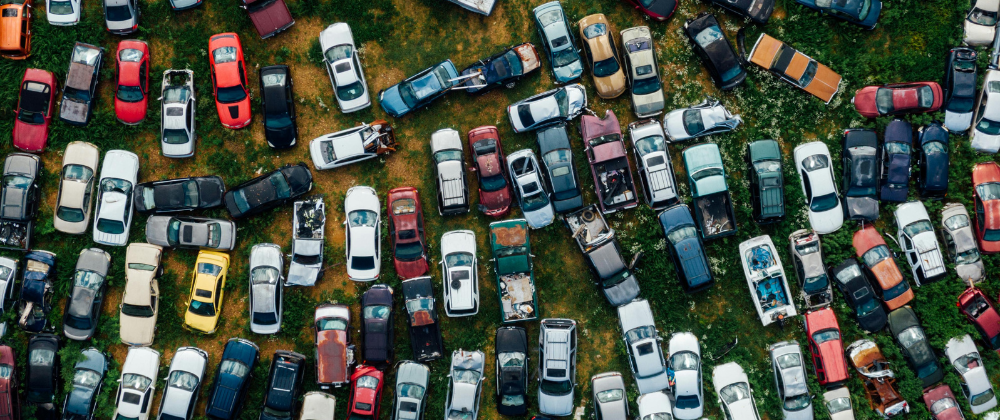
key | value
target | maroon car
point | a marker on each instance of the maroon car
(487, 153)
(406, 231)
(269, 16)
(10, 404)
(660, 10)
(974, 304)
(896, 99)
(941, 403)
(377, 326)
(602, 140)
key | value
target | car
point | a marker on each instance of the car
(459, 266)
(204, 303)
(141, 300)
(982, 313)
(605, 150)
(511, 348)
(687, 251)
(83, 308)
(352, 145)
(863, 13)
(15, 44)
(365, 398)
(121, 16)
(317, 405)
(420, 90)
(406, 231)
(732, 386)
(654, 406)
(266, 291)
(35, 302)
(980, 23)
(790, 378)
(715, 50)
(794, 67)
(183, 383)
(422, 319)
(985, 136)
(530, 188)
(685, 362)
(859, 295)
(510, 245)
(898, 99)
(960, 242)
(465, 385)
(959, 87)
(712, 203)
(557, 158)
(659, 10)
(227, 395)
(8, 277)
(767, 181)
(181, 5)
(484, 8)
(495, 193)
(42, 369)
(880, 263)
(941, 403)
(826, 346)
(268, 17)
(269, 190)
(21, 196)
(642, 71)
(284, 386)
(559, 105)
(896, 161)
(505, 69)
(377, 330)
(986, 198)
(861, 174)
(76, 186)
(191, 232)
(556, 366)
(77, 105)
(766, 280)
(412, 380)
(132, 85)
(340, 58)
(815, 168)
(916, 238)
(932, 160)
(879, 381)
(308, 241)
(642, 341)
(965, 358)
(557, 38)
(276, 99)
(807, 259)
(601, 54)
(62, 12)
(612, 273)
(334, 351)
(179, 194)
(177, 112)
(911, 339)
(229, 80)
(88, 379)
(137, 384)
(113, 215)
(610, 401)
(35, 105)
(703, 119)
(652, 159)
(838, 404)
(758, 11)
(449, 168)
(363, 233)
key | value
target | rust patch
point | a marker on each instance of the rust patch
(510, 236)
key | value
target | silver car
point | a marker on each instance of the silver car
(8, 274)
(83, 308)
(790, 378)
(121, 16)
(733, 389)
(412, 379)
(177, 110)
(838, 403)
(703, 119)
(685, 361)
(266, 262)
(449, 164)
(807, 258)
(546, 108)
(960, 242)
(187, 372)
(656, 172)
(642, 72)
(119, 174)
(191, 232)
(610, 401)
(916, 238)
(464, 385)
(965, 358)
(643, 343)
(556, 366)
(530, 189)
(344, 67)
(352, 145)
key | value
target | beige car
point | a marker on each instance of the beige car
(600, 53)
(642, 71)
(140, 305)
(76, 187)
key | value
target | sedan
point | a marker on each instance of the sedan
(790, 378)
(558, 105)
(859, 295)
(177, 111)
(42, 369)
(863, 13)
(334, 351)
(449, 167)
(465, 385)
(191, 232)
(982, 314)
(703, 119)
(114, 197)
(284, 385)
(8, 277)
(183, 383)
(181, 194)
(460, 273)
(503, 69)
(602, 56)
(932, 160)
(838, 404)
(880, 263)
(976, 386)
(62, 12)
(980, 23)
(35, 106)
(140, 302)
(807, 258)
(642, 342)
(278, 103)
(406, 232)
(715, 50)
(88, 379)
(959, 87)
(896, 161)
(530, 189)
(557, 158)
(121, 16)
(767, 181)
(365, 398)
(318, 405)
(266, 307)
(941, 403)
(814, 165)
(512, 371)
(685, 362)
(557, 38)
(137, 384)
(269, 190)
(986, 121)
(610, 401)
(419, 90)
(76, 186)
(412, 380)
(83, 308)
(229, 80)
(861, 174)
(909, 335)
(732, 386)
(494, 191)
(232, 379)
(642, 71)
(654, 406)
(204, 305)
(960, 242)
(132, 92)
(898, 99)
(352, 145)
(362, 233)
(377, 330)
(656, 171)
(340, 58)
(986, 198)
(687, 251)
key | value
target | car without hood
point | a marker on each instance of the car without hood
(879, 381)
(715, 50)
(556, 366)
(406, 232)
(35, 301)
(141, 300)
(113, 215)
(859, 294)
(959, 86)
(266, 291)
(460, 269)
(612, 272)
(790, 378)
(363, 226)
(732, 386)
(794, 67)
(177, 111)
(861, 174)
(932, 160)
(965, 358)
(449, 167)
(183, 384)
(411, 390)
(557, 38)
(420, 90)
(652, 159)
(712, 204)
(642, 71)
(227, 395)
(960, 242)
(807, 258)
(511, 349)
(558, 105)
(913, 343)
(377, 331)
(465, 385)
(686, 248)
(269, 190)
(309, 221)
(180, 194)
(530, 188)
(916, 238)
(268, 16)
(137, 384)
(35, 105)
(767, 280)
(815, 168)
(767, 181)
(502, 69)
(20, 198)
(334, 351)
(601, 53)
(422, 319)
(85, 62)
(83, 308)
(642, 341)
(88, 379)
(557, 158)
(605, 150)
(343, 65)
(191, 232)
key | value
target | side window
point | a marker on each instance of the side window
(357, 67)
(980, 216)
(190, 114)
(243, 76)
(142, 77)
(805, 183)
(950, 244)
(907, 243)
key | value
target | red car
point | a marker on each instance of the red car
(896, 99)
(132, 68)
(10, 404)
(659, 10)
(229, 78)
(974, 304)
(986, 195)
(487, 153)
(366, 393)
(406, 231)
(826, 347)
(35, 105)
(941, 403)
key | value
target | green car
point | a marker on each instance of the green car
(515, 277)
(767, 190)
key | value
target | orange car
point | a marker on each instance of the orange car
(794, 67)
(229, 78)
(15, 29)
(881, 264)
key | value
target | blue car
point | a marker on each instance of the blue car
(897, 152)
(88, 376)
(863, 13)
(686, 248)
(229, 387)
(419, 90)
(559, 43)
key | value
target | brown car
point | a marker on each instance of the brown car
(334, 352)
(794, 67)
(599, 51)
(15, 29)
(880, 384)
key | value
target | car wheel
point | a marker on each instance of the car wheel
(509, 85)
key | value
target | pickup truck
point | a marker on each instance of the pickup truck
(268, 16)
(81, 84)
(483, 7)
(602, 139)
(19, 200)
(515, 274)
(308, 222)
(597, 242)
(713, 207)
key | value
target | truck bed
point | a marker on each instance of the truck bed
(587, 227)
(615, 188)
(517, 297)
(715, 215)
(15, 234)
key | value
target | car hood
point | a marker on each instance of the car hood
(985, 143)
(78, 401)
(649, 104)
(569, 72)
(175, 401)
(861, 207)
(302, 275)
(30, 136)
(828, 221)
(957, 122)
(555, 405)
(463, 397)
(392, 102)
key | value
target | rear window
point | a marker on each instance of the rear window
(9, 12)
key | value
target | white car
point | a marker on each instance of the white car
(137, 384)
(364, 247)
(187, 372)
(141, 301)
(916, 238)
(449, 165)
(177, 110)
(981, 22)
(318, 405)
(352, 145)
(266, 263)
(344, 67)
(530, 189)
(119, 174)
(76, 186)
(62, 12)
(735, 396)
(610, 399)
(838, 404)
(556, 366)
(654, 406)
(685, 361)
(656, 172)
(790, 378)
(815, 168)
(8, 275)
(703, 119)
(985, 133)
(643, 343)
(464, 385)
(965, 358)
(460, 276)
(956, 230)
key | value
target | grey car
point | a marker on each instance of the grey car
(266, 263)
(177, 102)
(187, 374)
(960, 242)
(464, 385)
(652, 159)
(548, 108)
(557, 38)
(610, 401)
(412, 379)
(121, 16)
(556, 366)
(557, 158)
(532, 193)
(191, 232)
(807, 258)
(702, 119)
(790, 378)
(19, 199)
(449, 164)
(88, 378)
(642, 341)
(83, 308)
(642, 72)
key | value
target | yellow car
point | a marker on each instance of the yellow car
(599, 51)
(205, 301)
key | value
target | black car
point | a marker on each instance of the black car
(284, 384)
(425, 328)
(859, 295)
(557, 157)
(180, 194)
(502, 69)
(933, 161)
(232, 379)
(268, 191)
(83, 308)
(88, 378)
(897, 147)
(861, 177)
(377, 325)
(279, 107)
(863, 13)
(758, 11)
(43, 368)
(767, 183)
(959, 89)
(512, 371)
(715, 51)
(912, 340)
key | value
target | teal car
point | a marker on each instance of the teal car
(713, 207)
(515, 273)
(557, 38)
(419, 90)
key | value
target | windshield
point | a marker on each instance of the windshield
(815, 284)
(685, 232)
(911, 336)
(62, 8)
(446, 155)
(893, 147)
(377, 312)
(234, 368)
(645, 86)
(983, 398)
(87, 280)
(684, 361)
(174, 136)
(647, 145)
(465, 376)
(117, 13)
(535, 202)
(988, 191)
(136, 382)
(606, 67)
(410, 391)
(790, 360)
(556, 387)
(182, 380)
(566, 57)
(875, 255)
(735, 392)
(610, 395)
(86, 378)
(409, 251)
(359, 218)
(640, 333)
(137, 311)
(798, 402)
(839, 404)
(825, 336)
(331, 324)
(458, 259)
(707, 36)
